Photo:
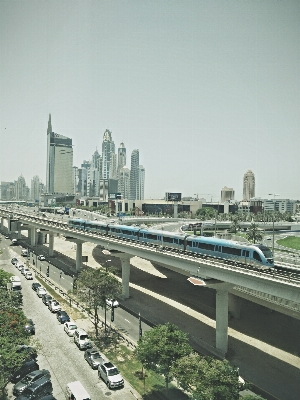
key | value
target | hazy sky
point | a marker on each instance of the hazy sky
(204, 89)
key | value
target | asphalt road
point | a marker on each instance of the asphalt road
(56, 350)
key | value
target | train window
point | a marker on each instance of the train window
(181, 242)
(245, 253)
(167, 239)
(206, 246)
(256, 256)
(231, 250)
(152, 237)
(189, 243)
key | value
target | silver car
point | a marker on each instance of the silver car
(110, 375)
(70, 328)
(29, 379)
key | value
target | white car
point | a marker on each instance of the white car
(19, 266)
(41, 257)
(54, 306)
(40, 291)
(28, 275)
(24, 271)
(70, 328)
(112, 303)
(110, 374)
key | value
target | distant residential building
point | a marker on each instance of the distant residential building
(124, 182)
(21, 190)
(7, 190)
(227, 194)
(280, 205)
(59, 169)
(141, 184)
(248, 186)
(134, 175)
(121, 158)
(37, 187)
(108, 147)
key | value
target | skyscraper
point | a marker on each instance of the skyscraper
(249, 185)
(59, 178)
(108, 147)
(124, 182)
(227, 194)
(141, 187)
(121, 158)
(134, 175)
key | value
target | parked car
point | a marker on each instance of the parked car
(41, 257)
(25, 270)
(24, 252)
(29, 379)
(93, 357)
(54, 306)
(28, 275)
(29, 352)
(110, 375)
(19, 266)
(26, 367)
(112, 302)
(14, 261)
(81, 339)
(70, 328)
(48, 397)
(37, 390)
(40, 291)
(30, 327)
(46, 298)
(62, 316)
(35, 285)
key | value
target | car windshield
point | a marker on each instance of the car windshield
(84, 337)
(26, 379)
(113, 371)
(72, 327)
(55, 303)
(95, 355)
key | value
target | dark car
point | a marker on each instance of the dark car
(36, 390)
(29, 352)
(29, 379)
(14, 261)
(62, 316)
(49, 397)
(26, 367)
(30, 327)
(46, 298)
(35, 285)
(93, 357)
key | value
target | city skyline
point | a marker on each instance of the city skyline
(205, 90)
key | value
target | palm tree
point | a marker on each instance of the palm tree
(254, 233)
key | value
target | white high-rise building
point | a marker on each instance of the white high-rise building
(124, 182)
(21, 189)
(59, 177)
(141, 186)
(134, 175)
(248, 186)
(227, 194)
(108, 147)
(121, 157)
(36, 188)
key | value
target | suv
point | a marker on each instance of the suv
(29, 379)
(81, 339)
(36, 390)
(110, 374)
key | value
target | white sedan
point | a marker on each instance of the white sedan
(54, 306)
(70, 328)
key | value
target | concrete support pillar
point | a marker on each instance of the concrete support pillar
(234, 305)
(78, 255)
(2, 222)
(19, 230)
(8, 224)
(33, 236)
(222, 320)
(125, 276)
(51, 244)
(175, 209)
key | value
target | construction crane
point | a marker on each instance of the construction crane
(203, 194)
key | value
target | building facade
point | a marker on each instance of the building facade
(59, 168)
(248, 186)
(227, 194)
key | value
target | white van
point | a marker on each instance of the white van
(15, 283)
(82, 340)
(75, 391)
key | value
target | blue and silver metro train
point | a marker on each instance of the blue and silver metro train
(254, 254)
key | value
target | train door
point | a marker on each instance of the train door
(245, 256)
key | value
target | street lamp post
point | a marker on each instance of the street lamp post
(273, 194)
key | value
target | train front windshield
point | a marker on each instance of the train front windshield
(266, 252)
